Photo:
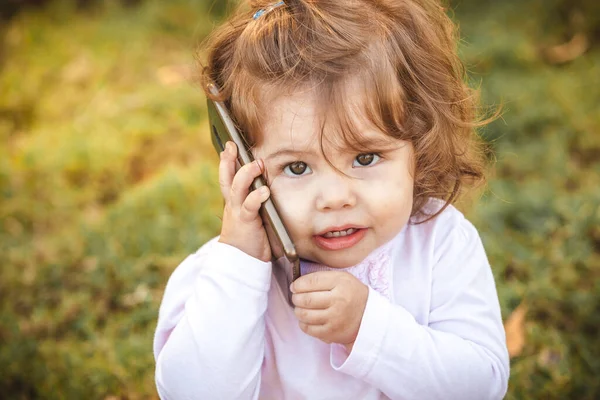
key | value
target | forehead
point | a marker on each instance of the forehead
(303, 120)
(292, 119)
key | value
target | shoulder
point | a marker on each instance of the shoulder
(449, 230)
(448, 218)
(435, 257)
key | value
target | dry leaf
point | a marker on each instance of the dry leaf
(575, 47)
(568, 51)
(515, 330)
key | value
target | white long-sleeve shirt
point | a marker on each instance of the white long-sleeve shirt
(226, 331)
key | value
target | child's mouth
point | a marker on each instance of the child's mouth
(340, 239)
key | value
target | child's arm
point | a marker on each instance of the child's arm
(209, 342)
(461, 354)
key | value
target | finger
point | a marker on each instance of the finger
(240, 187)
(317, 281)
(321, 332)
(312, 300)
(227, 169)
(312, 317)
(253, 202)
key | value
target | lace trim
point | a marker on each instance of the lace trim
(374, 271)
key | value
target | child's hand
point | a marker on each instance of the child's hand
(330, 305)
(242, 225)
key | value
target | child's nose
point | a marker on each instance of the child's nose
(336, 192)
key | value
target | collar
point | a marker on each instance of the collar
(374, 271)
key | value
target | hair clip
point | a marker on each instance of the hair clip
(267, 9)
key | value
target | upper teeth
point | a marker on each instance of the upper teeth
(340, 233)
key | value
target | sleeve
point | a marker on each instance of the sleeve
(209, 341)
(460, 354)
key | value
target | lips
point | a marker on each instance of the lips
(339, 238)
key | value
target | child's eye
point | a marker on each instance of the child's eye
(366, 159)
(297, 168)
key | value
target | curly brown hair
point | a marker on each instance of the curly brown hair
(403, 53)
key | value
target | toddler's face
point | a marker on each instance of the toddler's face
(334, 219)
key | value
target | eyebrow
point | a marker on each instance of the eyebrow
(368, 143)
(287, 152)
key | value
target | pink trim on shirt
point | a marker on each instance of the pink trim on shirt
(374, 271)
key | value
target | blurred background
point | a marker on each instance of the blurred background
(108, 180)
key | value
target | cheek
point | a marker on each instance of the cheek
(393, 201)
(394, 212)
(392, 197)
(292, 203)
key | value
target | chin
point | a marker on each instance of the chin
(340, 264)
(340, 259)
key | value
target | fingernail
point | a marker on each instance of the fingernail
(292, 288)
(264, 190)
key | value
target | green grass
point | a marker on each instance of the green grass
(108, 180)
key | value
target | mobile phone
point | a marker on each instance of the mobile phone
(286, 262)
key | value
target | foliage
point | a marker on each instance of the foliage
(108, 180)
